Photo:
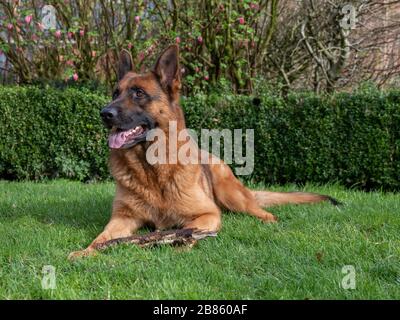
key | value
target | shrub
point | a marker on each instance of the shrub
(353, 139)
(51, 133)
(224, 40)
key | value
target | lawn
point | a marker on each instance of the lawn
(301, 257)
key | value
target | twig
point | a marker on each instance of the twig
(176, 237)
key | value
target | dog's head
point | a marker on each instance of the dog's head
(142, 102)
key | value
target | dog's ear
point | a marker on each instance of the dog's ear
(125, 63)
(168, 71)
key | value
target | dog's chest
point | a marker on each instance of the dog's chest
(161, 196)
(156, 205)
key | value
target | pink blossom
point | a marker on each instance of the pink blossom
(254, 6)
(206, 78)
(241, 20)
(75, 77)
(40, 26)
(178, 40)
(10, 26)
(183, 70)
(70, 35)
(137, 19)
(196, 69)
(57, 34)
(141, 56)
(35, 37)
(129, 45)
(81, 32)
(94, 53)
(28, 19)
(70, 63)
(200, 39)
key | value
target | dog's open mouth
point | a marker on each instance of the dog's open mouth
(119, 138)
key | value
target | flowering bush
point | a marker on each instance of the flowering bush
(225, 44)
(76, 40)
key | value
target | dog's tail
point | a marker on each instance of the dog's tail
(268, 199)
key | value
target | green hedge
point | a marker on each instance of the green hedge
(353, 139)
(51, 133)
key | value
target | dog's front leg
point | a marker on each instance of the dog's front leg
(210, 221)
(119, 226)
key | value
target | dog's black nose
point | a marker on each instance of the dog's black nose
(108, 113)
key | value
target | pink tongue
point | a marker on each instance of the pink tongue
(116, 140)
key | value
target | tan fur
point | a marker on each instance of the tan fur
(268, 199)
(176, 195)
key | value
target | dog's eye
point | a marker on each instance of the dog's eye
(115, 94)
(138, 93)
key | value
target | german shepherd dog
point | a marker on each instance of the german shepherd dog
(168, 195)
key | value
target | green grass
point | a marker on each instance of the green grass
(301, 257)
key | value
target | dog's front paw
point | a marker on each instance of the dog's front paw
(270, 218)
(81, 254)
